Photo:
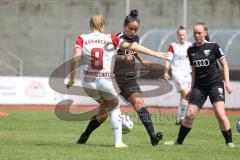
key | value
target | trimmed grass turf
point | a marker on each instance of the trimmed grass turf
(40, 135)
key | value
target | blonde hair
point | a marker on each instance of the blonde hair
(97, 23)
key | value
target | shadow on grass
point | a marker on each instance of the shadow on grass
(75, 145)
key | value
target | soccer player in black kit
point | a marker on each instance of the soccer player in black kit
(206, 81)
(125, 75)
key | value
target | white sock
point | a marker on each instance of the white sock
(178, 119)
(183, 105)
(116, 124)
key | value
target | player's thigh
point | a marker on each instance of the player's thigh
(182, 82)
(219, 109)
(107, 89)
(217, 93)
(129, 88)
(91, 90)
(198, 96)
(217, 98)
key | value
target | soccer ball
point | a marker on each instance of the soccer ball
(238, 126)
(127, 123)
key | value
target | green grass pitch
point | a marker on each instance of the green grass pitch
(40, 135)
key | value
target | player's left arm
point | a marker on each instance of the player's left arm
(145, 63)
(225, 67)
(221, 58)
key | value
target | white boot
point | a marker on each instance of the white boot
(116, 121)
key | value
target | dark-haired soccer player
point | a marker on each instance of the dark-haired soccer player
(125, 74)
(97, 82)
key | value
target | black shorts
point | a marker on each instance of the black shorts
(127, 86)
(199, 94)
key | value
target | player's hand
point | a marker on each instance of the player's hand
(146, 64)
(70, 84)
(129, 58)
(166, 77)
(167, 56)
(228, 87)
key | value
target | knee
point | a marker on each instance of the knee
(188, 120)
(138, 103)
(102, 118)
(184, 98)
(113, 103)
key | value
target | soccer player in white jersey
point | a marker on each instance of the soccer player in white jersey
(97, 51)
(181, 70)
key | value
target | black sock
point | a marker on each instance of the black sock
(227, 136)
(183, 131)
(92, 125)
(146, 121)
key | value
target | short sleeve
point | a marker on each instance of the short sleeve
(189, 56)
(219, 54)
(170, 48)
(137, 39)
(79, 42)
(115, 41)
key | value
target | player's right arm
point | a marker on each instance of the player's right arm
(192, 82)
(166, 68)
(74, 65)
(193, 72)
(167, 64)
(75, 60)
(193, 77)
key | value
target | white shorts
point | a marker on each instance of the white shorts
(182, 82)
(99, 88)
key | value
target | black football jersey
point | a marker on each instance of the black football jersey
(123, 67)
(204, 60)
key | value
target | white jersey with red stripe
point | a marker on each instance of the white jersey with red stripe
(180, 64)
(98, 51)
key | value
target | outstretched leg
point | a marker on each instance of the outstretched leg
(136, 99)
(94, 123)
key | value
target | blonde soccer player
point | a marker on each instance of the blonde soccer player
(97, 50)
(180, 69)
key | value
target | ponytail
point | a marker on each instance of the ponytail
(133, 16)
